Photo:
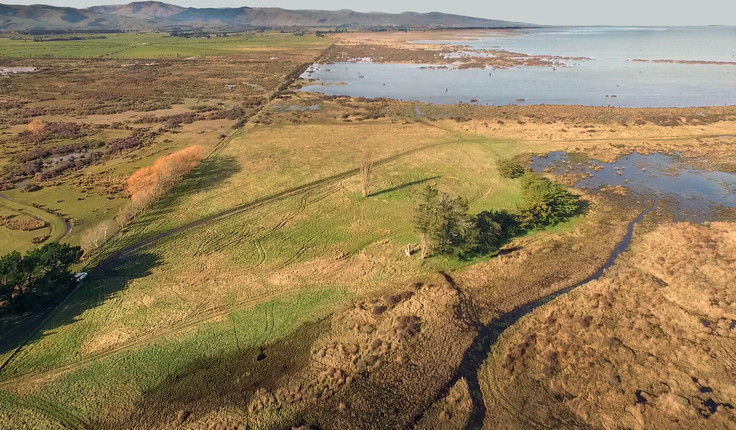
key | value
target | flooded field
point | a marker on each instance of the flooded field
(695, 192)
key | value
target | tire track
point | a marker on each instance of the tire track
(51, 410)
(153, 335)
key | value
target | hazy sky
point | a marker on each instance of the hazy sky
(613, 12)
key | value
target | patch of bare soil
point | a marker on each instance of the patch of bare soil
(651, 345)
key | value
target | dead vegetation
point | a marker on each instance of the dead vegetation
(22, 222)
(650, 345)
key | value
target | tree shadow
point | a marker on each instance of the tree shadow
(18, 330)
(206, 176)
(402, 186)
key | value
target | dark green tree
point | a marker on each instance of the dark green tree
(494, 229)
(510, 168)
(545, 202)
(444, 223)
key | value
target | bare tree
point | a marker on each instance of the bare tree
(96, 236)
(366, 168)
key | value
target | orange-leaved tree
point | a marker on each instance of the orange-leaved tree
(149, 183)
(36, 126)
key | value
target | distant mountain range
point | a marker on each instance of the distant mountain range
(150, 15)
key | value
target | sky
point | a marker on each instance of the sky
(551, 12)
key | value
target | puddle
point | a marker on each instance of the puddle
(694, 192)
(4, 71)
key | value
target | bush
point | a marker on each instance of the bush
(545, 202)
(36, 126)
(510, 168)
(123, 143)
(494, 228)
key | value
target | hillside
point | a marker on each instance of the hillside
(16, 17)
(157, 15)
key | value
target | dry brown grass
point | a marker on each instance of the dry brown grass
(23, 223)
(451, 412)
(650, 345)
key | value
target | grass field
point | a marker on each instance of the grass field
(158, 45)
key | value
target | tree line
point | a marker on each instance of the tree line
(31, 280)
(446, 227)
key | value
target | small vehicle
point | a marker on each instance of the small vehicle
(79, 276)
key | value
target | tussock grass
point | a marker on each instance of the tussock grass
(649, 344)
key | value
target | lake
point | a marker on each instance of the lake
(610, 77)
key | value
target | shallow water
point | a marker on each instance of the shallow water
(608, 78)
(694, 192)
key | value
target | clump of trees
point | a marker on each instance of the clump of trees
(30, 280)
(149, 183)
(446, 227)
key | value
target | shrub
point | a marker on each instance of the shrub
(123, 143)
(494, 228)
(36, 126)
(545, 202)
(510, 168)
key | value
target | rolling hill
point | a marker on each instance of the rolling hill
(50, 18)
(152, 15)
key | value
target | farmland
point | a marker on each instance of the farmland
(265, 291)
